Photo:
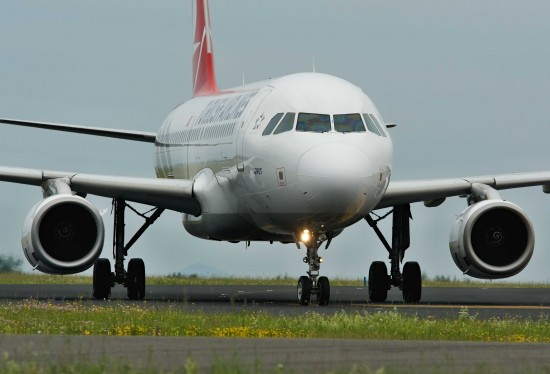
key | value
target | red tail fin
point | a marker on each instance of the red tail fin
(204, 78)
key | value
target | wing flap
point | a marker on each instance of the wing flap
(173, 194)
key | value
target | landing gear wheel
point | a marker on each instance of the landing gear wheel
(136, 279)
(304, 290)
(324, 291)
(412, 282)
(378, 282)
(102, 280)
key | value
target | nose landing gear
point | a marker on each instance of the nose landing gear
(313, 284)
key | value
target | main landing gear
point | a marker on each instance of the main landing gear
(410, 280)
(134, 278)
(313, 284)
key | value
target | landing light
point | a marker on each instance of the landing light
(305, 236)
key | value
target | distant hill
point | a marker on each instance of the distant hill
(202, 270)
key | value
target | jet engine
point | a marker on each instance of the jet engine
(492, 239)
(63, 234)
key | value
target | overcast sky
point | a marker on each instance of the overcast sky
(468, 84)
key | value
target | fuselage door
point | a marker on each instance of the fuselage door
(251, 121)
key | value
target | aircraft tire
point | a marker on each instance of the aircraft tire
(304, 290)
(324, 291)
(412, 282)
(378, 282)
(136, 279)
(102, 281)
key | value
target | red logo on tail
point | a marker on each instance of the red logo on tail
(204, 78)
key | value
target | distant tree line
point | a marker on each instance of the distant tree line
(10, 264)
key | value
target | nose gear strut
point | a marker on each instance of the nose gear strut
(313, 284)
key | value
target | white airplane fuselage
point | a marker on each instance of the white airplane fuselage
(271, 186)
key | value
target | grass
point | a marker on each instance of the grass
(116, 318)
(167, 319)
(190, 280)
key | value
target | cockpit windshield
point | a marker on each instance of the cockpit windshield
(348, 123)
(310, 122)
(324, 123)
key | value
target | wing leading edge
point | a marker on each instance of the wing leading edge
(173, 194)
(433, 192)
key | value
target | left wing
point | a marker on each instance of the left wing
(173, 194)
(434, 192)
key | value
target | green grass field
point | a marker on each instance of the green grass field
(188, 280)
(114, 318)
(168, 319)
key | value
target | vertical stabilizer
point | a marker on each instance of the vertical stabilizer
(204, 78)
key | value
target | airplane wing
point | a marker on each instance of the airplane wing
(434, 192)
(140, 136)
(173, 194)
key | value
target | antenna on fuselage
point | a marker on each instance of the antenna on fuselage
(314, 64)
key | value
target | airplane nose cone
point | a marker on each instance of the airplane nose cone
(334, 178)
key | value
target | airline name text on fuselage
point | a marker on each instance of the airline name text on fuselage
(224, 109)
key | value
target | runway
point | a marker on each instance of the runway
(282, 355)
(436, 302)
(292, 355)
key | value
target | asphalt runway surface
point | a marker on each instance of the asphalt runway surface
(436, 302)
(282, 355)
(292, 355)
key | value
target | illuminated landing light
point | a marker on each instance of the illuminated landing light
(320, 260)
(305, 236)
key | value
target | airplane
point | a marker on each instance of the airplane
(295, 160)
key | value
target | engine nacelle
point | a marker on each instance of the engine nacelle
(63, 234)
(492, 239)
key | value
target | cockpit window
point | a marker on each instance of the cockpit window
(286, 124)
(378, 125)
(271, 125)
(372, 124)
(313, 122)
(348, 123)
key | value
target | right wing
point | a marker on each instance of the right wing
(173, 194)
(140, 136)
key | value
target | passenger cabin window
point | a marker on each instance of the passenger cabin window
(287, 124)
(271, 125)
(309, 122)
(373, 125)
(348, 123)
